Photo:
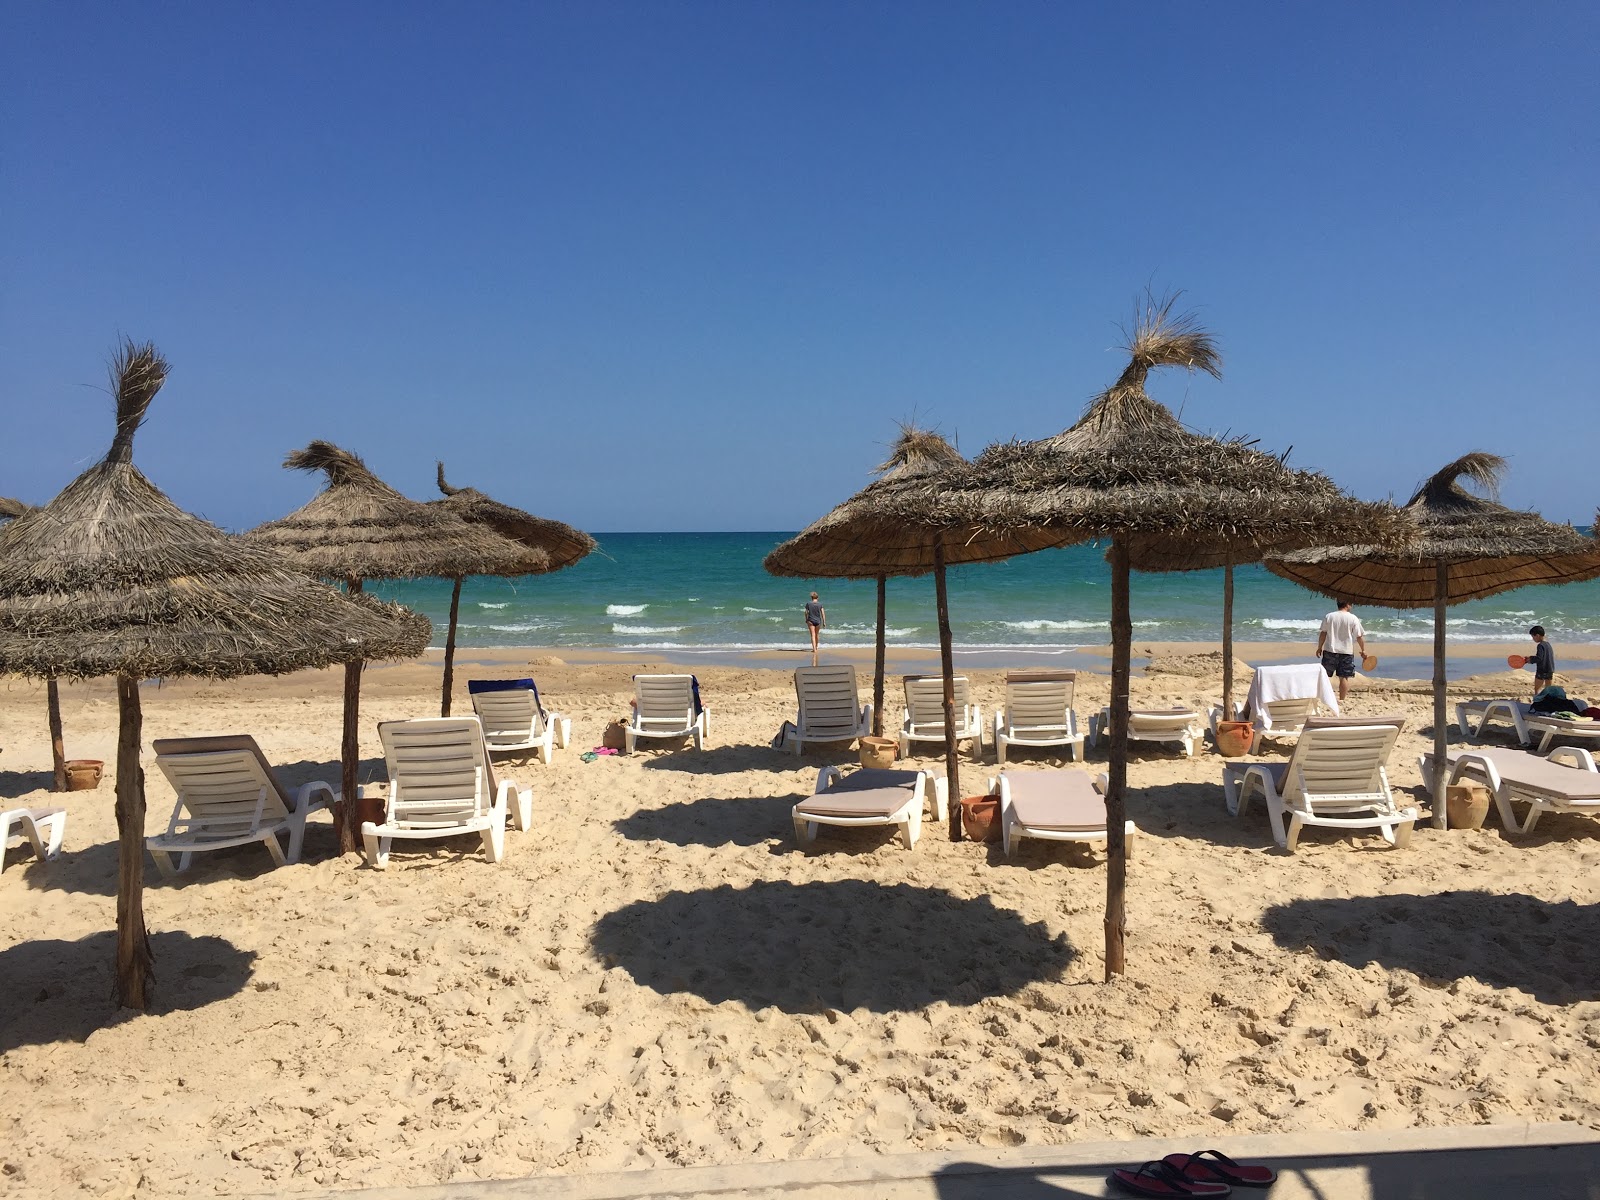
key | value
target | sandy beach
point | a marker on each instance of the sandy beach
(657, 974)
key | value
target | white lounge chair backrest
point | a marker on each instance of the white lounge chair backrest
(830, 709)
(925, 700)
(1038, 699)
(1340, 756)
(1147, 723)
(665, 702)
(510, 715)
(439, 773)
(224, 783)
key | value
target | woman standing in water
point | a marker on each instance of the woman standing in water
(816, 618)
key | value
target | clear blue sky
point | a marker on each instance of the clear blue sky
(683, 265)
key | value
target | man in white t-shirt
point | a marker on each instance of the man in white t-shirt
(1338, 641)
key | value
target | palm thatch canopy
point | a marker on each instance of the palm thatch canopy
(359, 527)
(1485, 547)
(890, 527)
(112, 578)
(1129, 469)
(561, 543)
(11, 508)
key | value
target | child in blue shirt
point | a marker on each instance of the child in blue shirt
(1543, 661)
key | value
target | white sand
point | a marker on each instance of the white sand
(658, 975)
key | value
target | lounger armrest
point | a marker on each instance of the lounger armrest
(502, 795)
(826, 779)
(866, 716)
(1102, 781)
(305, 802)
(1573, 756)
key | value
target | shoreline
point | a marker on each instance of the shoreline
(1397, 661)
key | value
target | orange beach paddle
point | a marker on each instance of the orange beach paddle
(1516, 662)
(1369, 663)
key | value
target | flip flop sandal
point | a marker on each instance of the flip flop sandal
(1214, 1166)
(1162, 1179)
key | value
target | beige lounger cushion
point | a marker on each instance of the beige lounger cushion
(867, 802)
(1061, 800)
(1041, 676)
(874, 777)
(1537, 774)
(869, 792)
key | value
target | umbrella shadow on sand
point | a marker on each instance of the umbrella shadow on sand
(16, 784)
(92, 870)
(713, 821)
(53, 990)
(1538, 946)
(805, 948)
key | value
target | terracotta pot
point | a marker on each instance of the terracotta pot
(878, 751)
(1466, 805)
(369, 807)
(1234, 738)
(83, 774)
(980, 817)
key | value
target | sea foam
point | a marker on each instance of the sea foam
(625, 610)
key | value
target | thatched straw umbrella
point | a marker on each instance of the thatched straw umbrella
(891, 527)
(1130, 472)
(1467, 547)
(112, 578)
(360, 528)
(10, 509)
(553, 543)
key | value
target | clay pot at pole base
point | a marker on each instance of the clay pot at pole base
(878, 751)
(980, 817)
(83, 774)
(1234, 738)
(1466, 805)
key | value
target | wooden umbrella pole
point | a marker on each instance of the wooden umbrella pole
(952, 768)
(877, 670)
(58, 745)
(344, 812)
(1227, 640)
(1441, 729)
(135, 963)
(1116, 787)
(450, 649)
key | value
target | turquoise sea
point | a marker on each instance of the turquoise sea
(691, 591)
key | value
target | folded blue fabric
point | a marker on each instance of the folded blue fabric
(474, 686)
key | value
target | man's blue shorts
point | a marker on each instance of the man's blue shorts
(1342, 665)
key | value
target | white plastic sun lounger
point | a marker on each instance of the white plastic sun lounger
(870, 796)
(1564, 782)
(1280, 698)
(43, 827)
(1337, 777)
(513, 719)
(441, 784)
(828, 708)
(1057, 806)
(1038, 712)
(1525, 722)
(1180, 725)
(1490, 712)
(922, 719)
(228, 795)
(667, 706)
